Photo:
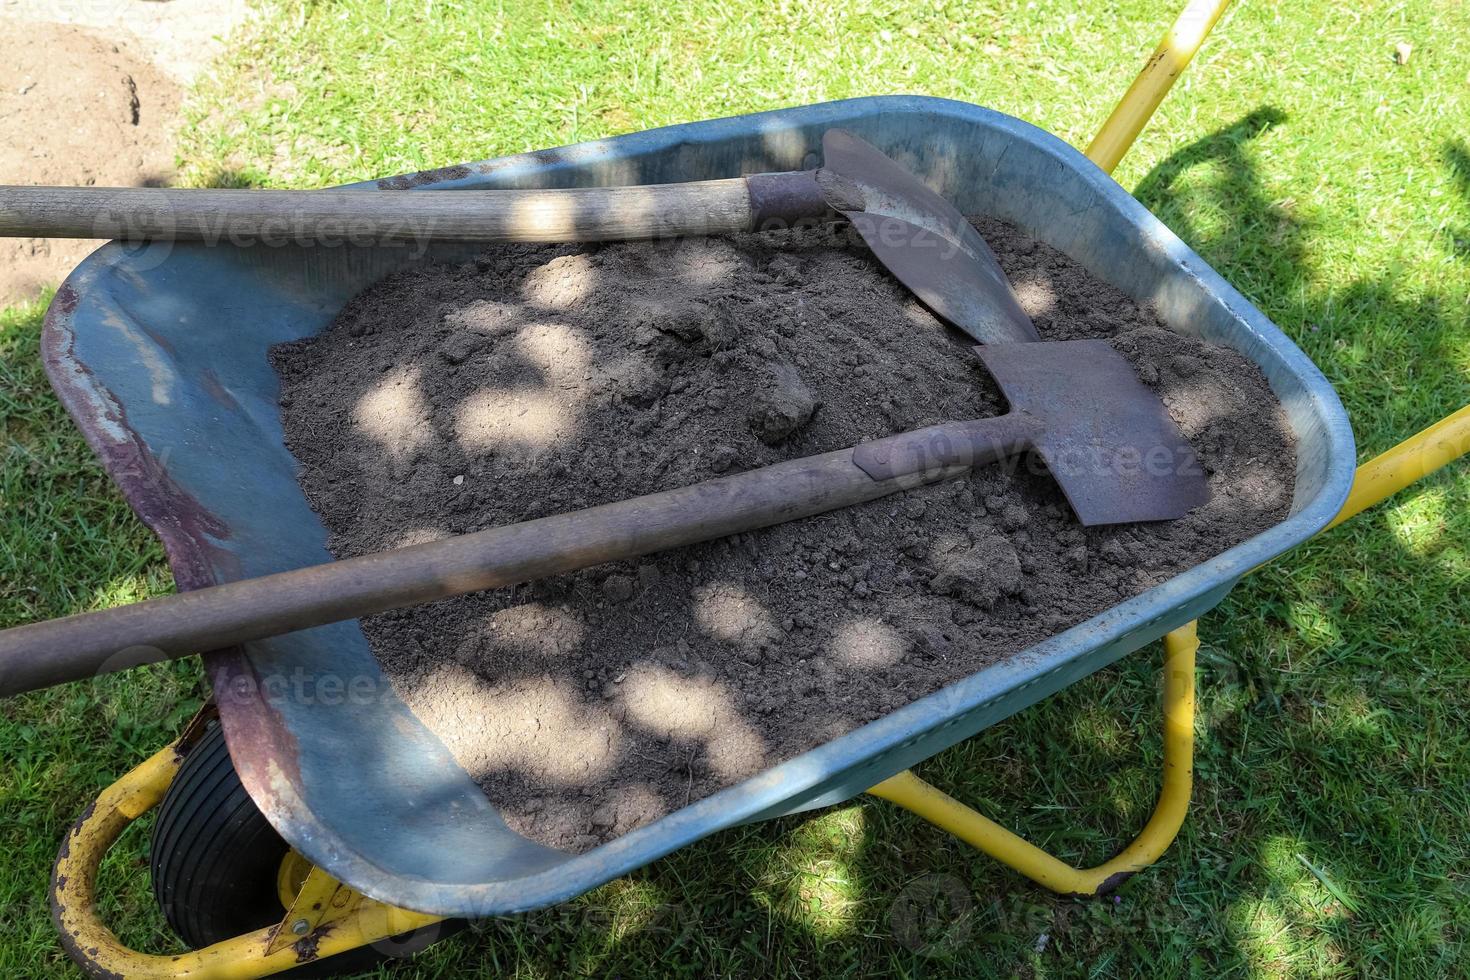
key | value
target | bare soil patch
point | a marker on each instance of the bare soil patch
(76, 108)
(90, 92)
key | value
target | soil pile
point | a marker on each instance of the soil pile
(538, 379)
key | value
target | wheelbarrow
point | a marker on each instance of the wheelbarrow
(364, 831)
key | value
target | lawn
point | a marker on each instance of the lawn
(1330, 832)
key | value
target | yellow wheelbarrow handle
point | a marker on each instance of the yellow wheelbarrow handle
(1411, 460)
(1159, 73)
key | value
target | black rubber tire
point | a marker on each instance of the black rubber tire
(214, 860)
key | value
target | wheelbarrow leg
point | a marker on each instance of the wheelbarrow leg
(947, 813)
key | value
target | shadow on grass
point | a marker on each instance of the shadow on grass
(1376, 339)
(1457, 158)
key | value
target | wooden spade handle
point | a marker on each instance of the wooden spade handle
(60, 650)
(334, 217)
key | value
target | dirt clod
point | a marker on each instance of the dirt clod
(978, 568)
(782, 405)
(589, 704)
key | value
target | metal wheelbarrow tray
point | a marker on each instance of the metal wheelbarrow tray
(159, 354)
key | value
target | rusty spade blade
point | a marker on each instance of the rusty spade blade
(1106, 439)
(922, 239)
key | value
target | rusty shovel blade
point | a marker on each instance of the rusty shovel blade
(922, 239)
(1105, 437)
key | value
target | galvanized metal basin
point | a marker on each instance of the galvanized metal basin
(159, 354)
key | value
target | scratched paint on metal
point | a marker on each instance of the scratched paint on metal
(354, 782)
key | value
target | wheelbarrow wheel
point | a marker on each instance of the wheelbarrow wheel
(216, 861)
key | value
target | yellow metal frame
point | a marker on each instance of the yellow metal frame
(1410, 461)
(1159, 73)
(947, 813)
(344, 921)
(326, 917)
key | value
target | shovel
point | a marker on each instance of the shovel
(1105, 438)
(917, 234)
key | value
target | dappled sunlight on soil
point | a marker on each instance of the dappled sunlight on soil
(540, 380)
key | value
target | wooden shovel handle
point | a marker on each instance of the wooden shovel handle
(334, 217)
(60, 650)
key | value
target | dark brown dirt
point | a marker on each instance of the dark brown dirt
(538, 380)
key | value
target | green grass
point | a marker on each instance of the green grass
(1330, 833)
(67, 544)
